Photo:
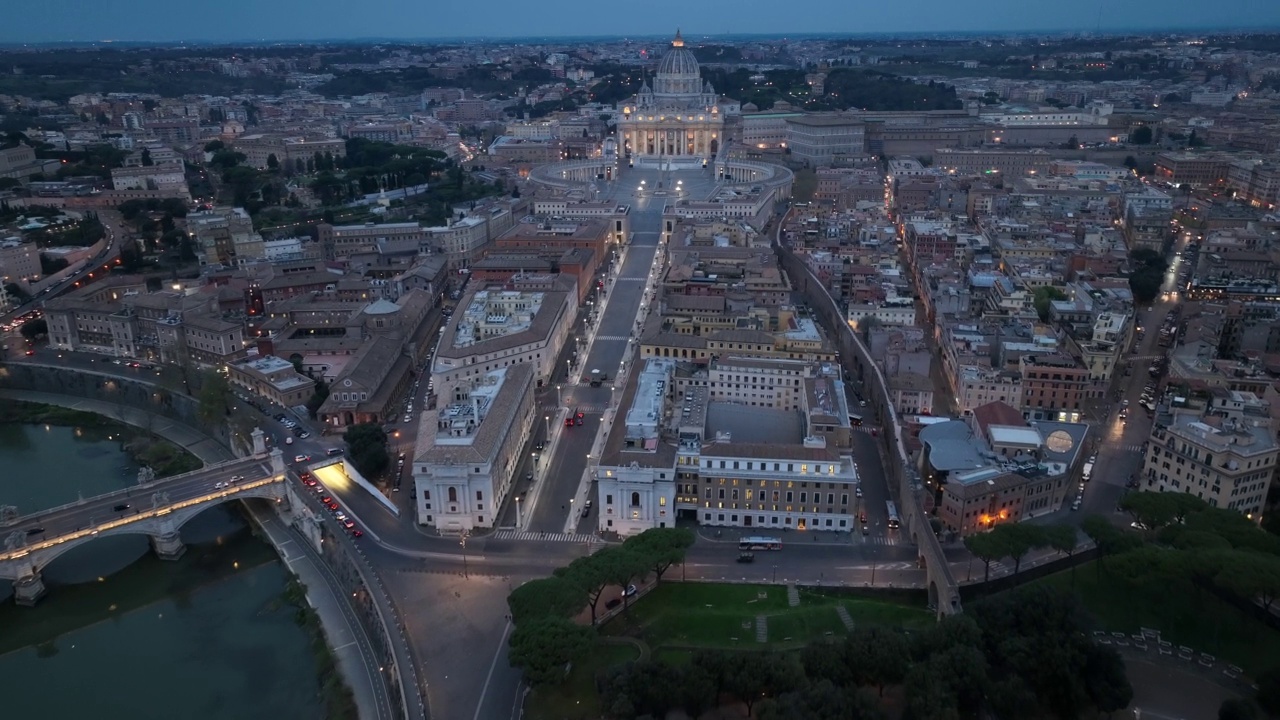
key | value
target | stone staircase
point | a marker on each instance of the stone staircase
(762, 628)
(793, 596)
(844, 617)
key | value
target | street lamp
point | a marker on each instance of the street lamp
(466, 573)
(519, 521)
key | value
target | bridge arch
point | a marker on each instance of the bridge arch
(153, 526)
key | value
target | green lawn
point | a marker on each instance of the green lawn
(1183, 615)
(709, 615)
(576, 699)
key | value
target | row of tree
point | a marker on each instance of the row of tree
(1018, 655)
(547, 637)
(1015, 540)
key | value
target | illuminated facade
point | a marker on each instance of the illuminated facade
(680, 117)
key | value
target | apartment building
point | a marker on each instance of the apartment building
(339, 242)
(19, 260)
(987, 161)
(1229, 462)
(465, 461)
(820, 140)
(495, 329)
(1054, 385)
(463, 238)
(1197, 169)
(226, 236)
(274, 379)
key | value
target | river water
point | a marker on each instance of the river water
(121, 634)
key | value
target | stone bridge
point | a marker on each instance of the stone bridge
(158, 508)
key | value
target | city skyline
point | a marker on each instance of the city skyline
(291, 20)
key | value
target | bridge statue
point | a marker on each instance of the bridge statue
(159, 500)
(145, 475)
(8, 514)
(14, 540)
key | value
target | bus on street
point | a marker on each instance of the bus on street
(894, 521)
(760, 543)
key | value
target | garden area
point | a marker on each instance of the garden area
(782, 653)
(687, 616)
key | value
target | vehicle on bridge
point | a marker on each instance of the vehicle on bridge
(760, 543)
(892, 510)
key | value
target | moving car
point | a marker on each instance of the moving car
(746, 557)
(301, 458)
(121, 507)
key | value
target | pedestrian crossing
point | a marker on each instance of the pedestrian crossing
(544, 537)
(613, 337)
(891, 540)
(1126, 448)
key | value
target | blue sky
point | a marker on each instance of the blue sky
(229, 20)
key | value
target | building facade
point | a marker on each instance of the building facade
(680, 116)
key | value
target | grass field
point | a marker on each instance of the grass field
(1182, 614)
(707, 615)
(576, 699)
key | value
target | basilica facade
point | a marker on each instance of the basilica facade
(679, 118)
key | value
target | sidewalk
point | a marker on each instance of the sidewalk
(346, 638)
(194, 441)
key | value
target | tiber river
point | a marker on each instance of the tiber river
(121, 634)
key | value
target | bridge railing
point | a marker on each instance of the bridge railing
(148, 514)
(156, 484)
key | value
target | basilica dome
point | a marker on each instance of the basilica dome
(679, 60)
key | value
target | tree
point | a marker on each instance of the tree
(751, 677)
(1062, 537)
(214, 399)
(661, 547)
(273, 163)
(877, 656)
(543, 647)
(1141, 136)
(1152, 510)
(1043, 297)
(1236, 709)
(33, 329)
(1130, 162)
(553, 596)
(1108, 538)
(592, 573)
(367, 448)
(51, 265)
(214, 146)
(1268, 696)
(1254, 577)
(986, 547)
(821, 700)
(146, 158)
(1105, 680)
(1018, 539)
(318, 396)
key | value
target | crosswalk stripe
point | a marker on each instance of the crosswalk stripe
(613, 337)
(544, 537)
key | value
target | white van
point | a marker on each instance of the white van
(1088, 471)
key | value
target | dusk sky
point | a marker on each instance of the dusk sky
(230, 20)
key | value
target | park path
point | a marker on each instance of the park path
(637, 643)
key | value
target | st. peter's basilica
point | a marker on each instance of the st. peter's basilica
(680, 119)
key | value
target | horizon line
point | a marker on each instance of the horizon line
(374, 39)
